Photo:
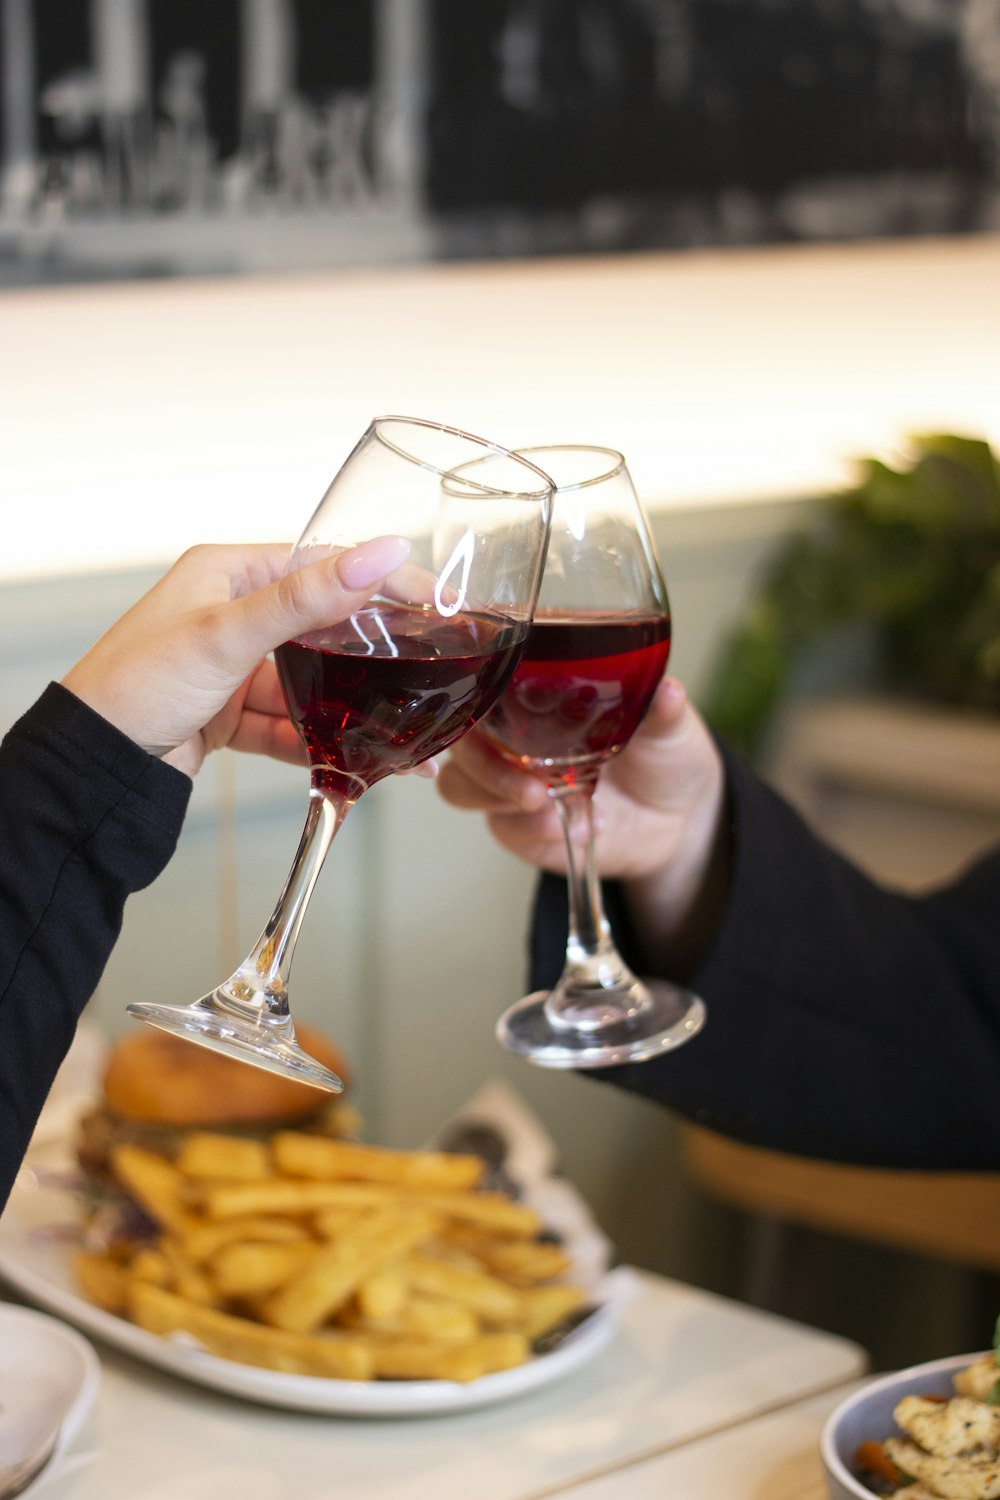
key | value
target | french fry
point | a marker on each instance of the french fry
(341, 1219)
(149, 1264)
(286, 1196)
(155, 1183)
(439, 1359)
(186, 1278)
(520, 1262)
(203, 1240)
(205, 1153)
(282, 1195)
(542, 1307)
(103, 1280)
(432, 1317)
(339, 1267)
(493, 1211)
(300, 1155)
(444, 1248)
(382, 1295)
(337, 1356)
(254, 1269)
(489, 1298)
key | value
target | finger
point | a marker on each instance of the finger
(411, 584)
(252, 566)
(427, 770)
(222, 570)
(671, 755)
(667, 709)
(487, 783)
(535, 837)
(264, 693)
(308, 598)
(264, 734)
(493, 773)
(460, 790)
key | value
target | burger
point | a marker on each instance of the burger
(158, 1088)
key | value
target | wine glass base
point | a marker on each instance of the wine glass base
(671, 1017)
(271, 1046)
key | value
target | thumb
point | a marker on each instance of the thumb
(318, 594)
(666, 711)
(666, 757)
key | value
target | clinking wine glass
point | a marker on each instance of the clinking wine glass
(595, 654)
(393, 684)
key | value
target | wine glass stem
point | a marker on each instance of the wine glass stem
(261, 981)
(594, 966)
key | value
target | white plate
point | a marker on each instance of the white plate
(49, 1377)
(39, 1235)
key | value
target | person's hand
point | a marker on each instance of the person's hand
(183, 672)
(660, 818)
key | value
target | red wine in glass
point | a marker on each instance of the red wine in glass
(579, 692)
(393, 687)
(594, 657)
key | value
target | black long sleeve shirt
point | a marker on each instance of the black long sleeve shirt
(845, 1021)
(86, 818)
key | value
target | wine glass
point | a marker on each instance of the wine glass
(394, 683)
(595, 654)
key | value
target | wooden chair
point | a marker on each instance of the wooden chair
(952, 1216)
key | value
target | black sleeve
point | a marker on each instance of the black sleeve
(845, 1021)
(86, 817)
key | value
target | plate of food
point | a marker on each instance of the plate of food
(929, 1431)
(228, 1226)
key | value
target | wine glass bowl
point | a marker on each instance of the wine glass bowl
(391, 685)
(595, 654)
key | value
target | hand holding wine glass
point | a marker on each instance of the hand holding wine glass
(186, 670)
(662, 830)
(409, 670)
(594, 658)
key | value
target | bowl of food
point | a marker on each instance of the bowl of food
(930, 1430)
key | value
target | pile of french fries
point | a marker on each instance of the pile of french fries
(330, 1258)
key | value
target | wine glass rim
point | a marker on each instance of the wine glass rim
(547, 487)
(617, 465)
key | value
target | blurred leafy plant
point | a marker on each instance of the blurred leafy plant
(911, 552)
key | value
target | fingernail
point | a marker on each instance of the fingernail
(362, 566)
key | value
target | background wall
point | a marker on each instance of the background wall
(163, 137)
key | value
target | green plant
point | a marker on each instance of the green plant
(913, 553)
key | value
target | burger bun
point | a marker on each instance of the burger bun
(155, 1078)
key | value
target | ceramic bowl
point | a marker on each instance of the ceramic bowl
(868, 1414)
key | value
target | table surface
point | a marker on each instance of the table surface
(772, 1457)
(663, 1409)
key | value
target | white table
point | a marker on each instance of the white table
(772, 1457)
(687, 1371)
